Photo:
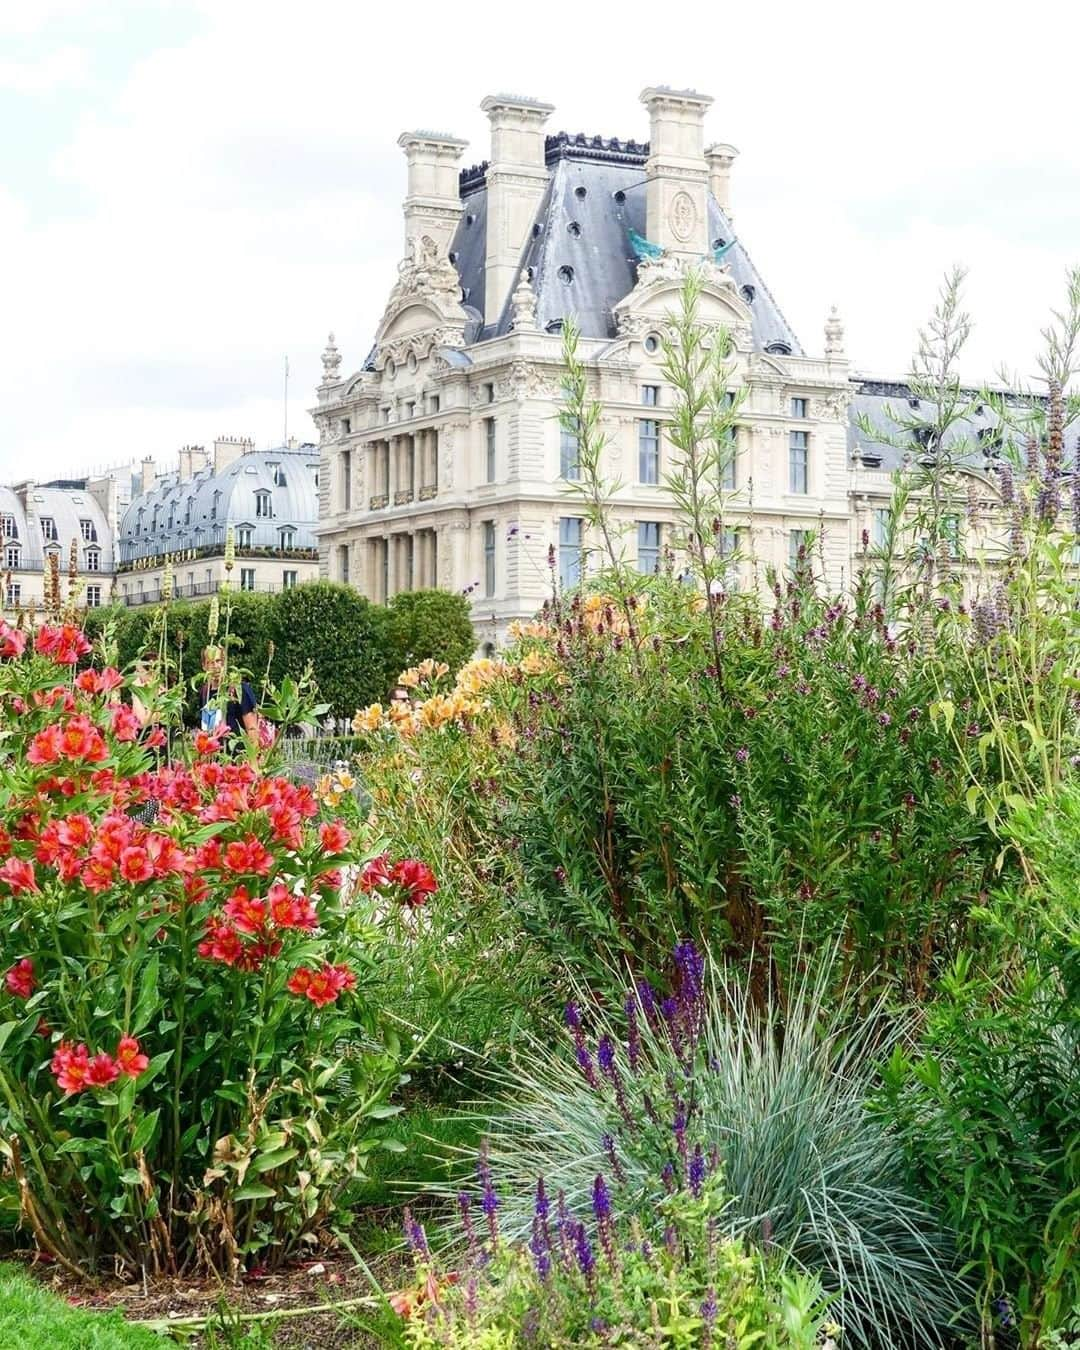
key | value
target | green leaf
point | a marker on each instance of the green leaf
(384, 1112)
(392, 1145)
(131, 1176)
(5, 1031)
(265, 1162)
(144, 1131)
(255, 1190)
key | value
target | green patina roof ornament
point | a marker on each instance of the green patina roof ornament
(643, 248)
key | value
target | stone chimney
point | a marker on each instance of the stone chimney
(720, 158)
(148, 474)
(676, 173)
(516, 179)
(228, 449)
(432, 203)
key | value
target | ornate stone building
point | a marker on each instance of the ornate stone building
(442, 458)
(269, 498)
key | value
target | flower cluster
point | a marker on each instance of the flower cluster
(323, 985)
(409, 881)
(426, 671)
(76, 1069)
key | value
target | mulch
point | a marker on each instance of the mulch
(312, 1284)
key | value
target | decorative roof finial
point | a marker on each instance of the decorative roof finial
(524, 305)
(331, 360)
(834, 334)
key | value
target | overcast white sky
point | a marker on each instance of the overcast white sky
(192, 189)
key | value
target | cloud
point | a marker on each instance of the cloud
(233, 191)
(66, 68)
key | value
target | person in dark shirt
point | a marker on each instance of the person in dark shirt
(241, 705)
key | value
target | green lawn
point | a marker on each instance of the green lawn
(33, 1319)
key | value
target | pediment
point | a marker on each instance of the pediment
(656, 299)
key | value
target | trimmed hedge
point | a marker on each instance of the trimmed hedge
(356, 649)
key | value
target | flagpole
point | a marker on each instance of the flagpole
(285, 430)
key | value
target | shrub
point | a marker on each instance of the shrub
(192, 1062)
(774, 1104)
(431, 625)
(595, 1279)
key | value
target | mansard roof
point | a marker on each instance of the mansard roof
(578, 254)
(218, 500)
(67, 505)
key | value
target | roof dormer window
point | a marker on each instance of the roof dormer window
(48, 529)
(245, 536)
(89, 531)
(264, 507)
(8, 528)
(93, 560)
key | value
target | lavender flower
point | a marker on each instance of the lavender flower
(708, 1318)
(584, 1253)
(605, 1056)
(667, 1176)
(633, 1039)
(607, 1142)
(540, 1248)
(415, 1236)
(697, 1172)
(465, 1208)
(489, 1201)
(585, 1064)
(647, 999)
(678, 1129)
(572, 1016)
(472, 1301)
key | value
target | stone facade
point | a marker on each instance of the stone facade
(442, 459)
(269, 498)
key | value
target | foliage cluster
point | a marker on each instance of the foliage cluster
(353, 648)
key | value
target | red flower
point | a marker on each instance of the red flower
(64, 644)
(207, 743)
(97, 875)
(321, 986)
(80, 739)
(20, 978)
(19, 875)
(99, 681)
(135, 865)
(291, 911)
(334, 837)
(156, 739)
(222, 943)
(247, 856)
(12, 642)
(247, 915)
(75, 831)
(102, 1071)
(416, 879)
(125, 725)
(376, 874)
(71, 1065)
(129, 1058)
(45, 747)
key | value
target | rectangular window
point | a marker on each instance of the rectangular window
(798, 462)
(343, 563)
(650, 395)
(93, 560)
(89, 533)
(648, 546)
(797, 539)
(435, 403)
(880, 532)
(729, 559)
(346, 426)
(489, 393)
(48, 528)
(410, 411)
(410, 562)
(346, 480)
(798, 407)
(569, 465)
(7, 527)
(263, 507)
(489, 557)
(244, 536)
(648, 450)
(288, 580)
(570, 551)
(247, 578)
(489, 449)
(14, 592)
(385, 489)
(384, 569)
(93, 597)
(11, 557)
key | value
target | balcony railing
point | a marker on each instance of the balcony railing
(428, 492)
(151, 561)
(403, 497)
(378, 503)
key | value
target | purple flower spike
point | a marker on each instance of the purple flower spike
(605, 1056)
(697, 1172)
(572, 1015)
(633, 1039)
(415, 1236)
(585, 1064)
(708, 1318)
(601, 1199)
(584, 1253)
(543, 1206)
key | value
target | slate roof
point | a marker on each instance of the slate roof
(67, 507)
(578, 252)
(294, 504)
(882, 402)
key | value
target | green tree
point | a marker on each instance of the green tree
(432, 624)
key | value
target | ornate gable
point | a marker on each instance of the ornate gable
(424, 310)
